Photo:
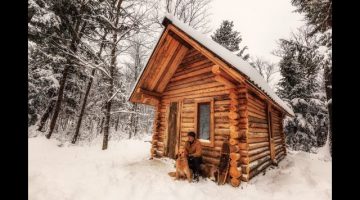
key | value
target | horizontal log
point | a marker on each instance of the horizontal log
(213, 154)
(234, 156)
(225, 81)
(243, 120)
(201, 64)
(223, 102)
(278, 141)
(224, 119)
(235, 182)
(258, 130)
(280, 158)
(210, 160)
(218, 143)
(234, 115)
(245, 177)
(258, 150)
(252, 114)
(256, 163)
(244, 160)
(234, 108)
(187, 125)
(234, 148)
(233, 95)
(252, 134)
(253, 119)
(258, 145)
(222, 131)
(242, 89)
(233, 128)
(237, 134)
(258, 112)
(222, 125)
(221, 114)
(233, 141)
(234, 172)
(277, 151)
(209, 92)
(234, 122)
(234, 163)
(192, 88)
(257, 140)
(223, 108)
(256, 99)
(187, 129)
(259, 169)
(243, 146)
(256, 107)
(219, 137)
(187, 120)
(257, 125)
(260, 155)
(191, 74)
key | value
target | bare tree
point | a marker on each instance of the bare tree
(192, 12)
(265, 68)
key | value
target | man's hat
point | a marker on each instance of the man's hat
(191, 134)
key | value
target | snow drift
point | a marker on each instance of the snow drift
(125, 172)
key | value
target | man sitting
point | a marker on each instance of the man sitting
(193, 147)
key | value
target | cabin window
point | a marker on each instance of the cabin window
(205, 122)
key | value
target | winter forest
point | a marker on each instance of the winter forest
(85, 56)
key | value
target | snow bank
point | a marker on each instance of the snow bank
(124, 172)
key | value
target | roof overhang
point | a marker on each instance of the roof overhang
(165, 58)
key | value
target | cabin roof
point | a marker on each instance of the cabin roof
(234, 61)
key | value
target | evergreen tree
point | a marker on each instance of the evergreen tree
(300, 87)
(229, 38)
(318, 14)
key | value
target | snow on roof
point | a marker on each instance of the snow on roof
(235, 61)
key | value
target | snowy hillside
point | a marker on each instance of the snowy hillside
(124, 172)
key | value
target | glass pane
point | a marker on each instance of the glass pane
(204, 121)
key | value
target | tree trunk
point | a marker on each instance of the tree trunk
(111, 85)
(328, 90)
(58, 101)
(78, 124)
(134, 120)
(117, 123)
(46, 115)
(102, 125)
(75, 41)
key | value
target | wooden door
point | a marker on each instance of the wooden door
(172, 129)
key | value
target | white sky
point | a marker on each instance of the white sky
(261, 24)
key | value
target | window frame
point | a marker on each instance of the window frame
(209, 143)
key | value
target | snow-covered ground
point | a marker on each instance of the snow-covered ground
(67, 172)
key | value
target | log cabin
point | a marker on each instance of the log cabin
(197, 85)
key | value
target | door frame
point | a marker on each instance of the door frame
(178, 127)
(270, 133)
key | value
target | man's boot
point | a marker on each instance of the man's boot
(196, 177)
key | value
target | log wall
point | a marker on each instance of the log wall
(192, 81)
(278, 135)
(239, 115)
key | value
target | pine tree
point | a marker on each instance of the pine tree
(318, 15)
(300, 87)
(229, 38)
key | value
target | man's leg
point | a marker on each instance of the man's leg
(197, 162)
